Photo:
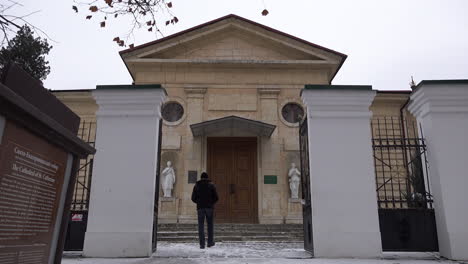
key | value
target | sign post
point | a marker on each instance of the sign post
(39, 154)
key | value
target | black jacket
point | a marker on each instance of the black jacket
(204, 194)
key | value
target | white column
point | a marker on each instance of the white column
(344, 200)
(441, 108)
(123, 185)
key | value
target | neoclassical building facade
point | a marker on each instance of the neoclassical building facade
(365, 171)
(233, 109)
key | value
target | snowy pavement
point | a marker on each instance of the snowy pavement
(251, 253)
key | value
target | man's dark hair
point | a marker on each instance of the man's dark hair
(204, 175)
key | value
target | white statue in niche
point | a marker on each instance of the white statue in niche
(294, 181)
(168, 180)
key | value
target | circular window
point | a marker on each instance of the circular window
(292, 112)
(172, 111)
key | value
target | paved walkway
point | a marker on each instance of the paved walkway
(251, 253)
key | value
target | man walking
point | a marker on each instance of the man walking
(205, 196)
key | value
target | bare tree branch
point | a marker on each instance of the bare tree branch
(142, 13)
(11, 23)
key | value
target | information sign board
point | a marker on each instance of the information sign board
(31, 180)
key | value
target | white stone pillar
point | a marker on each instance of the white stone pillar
(123, 186)
(441, 108)
(344, 200)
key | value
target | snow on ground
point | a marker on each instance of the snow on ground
(251, 253)
(233, 250)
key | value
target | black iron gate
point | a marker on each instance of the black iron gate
(406, 213)
(156, 195)
(305, 182)
(80, 203)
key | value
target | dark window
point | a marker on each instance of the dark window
(172, 112)
(292, 112)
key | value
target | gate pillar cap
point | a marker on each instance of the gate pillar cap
(332, 101)
(129, 100)
(337, 87)
(439, 96)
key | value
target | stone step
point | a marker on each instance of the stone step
(193, 239)
(228, 227)
(238, 225)
(181, 233)
(231, 230)
(231, 233)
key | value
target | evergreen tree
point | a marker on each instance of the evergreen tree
(28, 53)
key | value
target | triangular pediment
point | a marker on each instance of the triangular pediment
(232, 43)
(233, 40)
(232, 34)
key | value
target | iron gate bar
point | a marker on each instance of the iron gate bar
(80, 202)
(82, 167)
(397, 162)
(154, 241)
(305, 185)
(90, 177)
(406, 214)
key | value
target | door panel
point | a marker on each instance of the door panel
(232, 166)
(241, 203)
(220, 174)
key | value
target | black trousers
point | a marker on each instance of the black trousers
(208, 214)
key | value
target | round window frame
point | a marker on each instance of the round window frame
(184, 115)
(280, 112)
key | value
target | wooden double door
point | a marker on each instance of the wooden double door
(232, 165)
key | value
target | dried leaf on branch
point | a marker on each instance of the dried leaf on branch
(143, 13)
(149, 14)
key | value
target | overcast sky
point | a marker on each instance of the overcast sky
(387, 41)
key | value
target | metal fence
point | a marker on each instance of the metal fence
(400, 163)
(80, 202)
(305, 185)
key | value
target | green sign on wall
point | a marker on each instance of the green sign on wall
(270, 179)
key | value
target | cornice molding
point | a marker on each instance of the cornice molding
(338, 103)
(443, 98)
(129, 102)
(231, 61)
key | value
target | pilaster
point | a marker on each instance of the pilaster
(269, 200)
(192, 149)
(344, 204)
(441, 108)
